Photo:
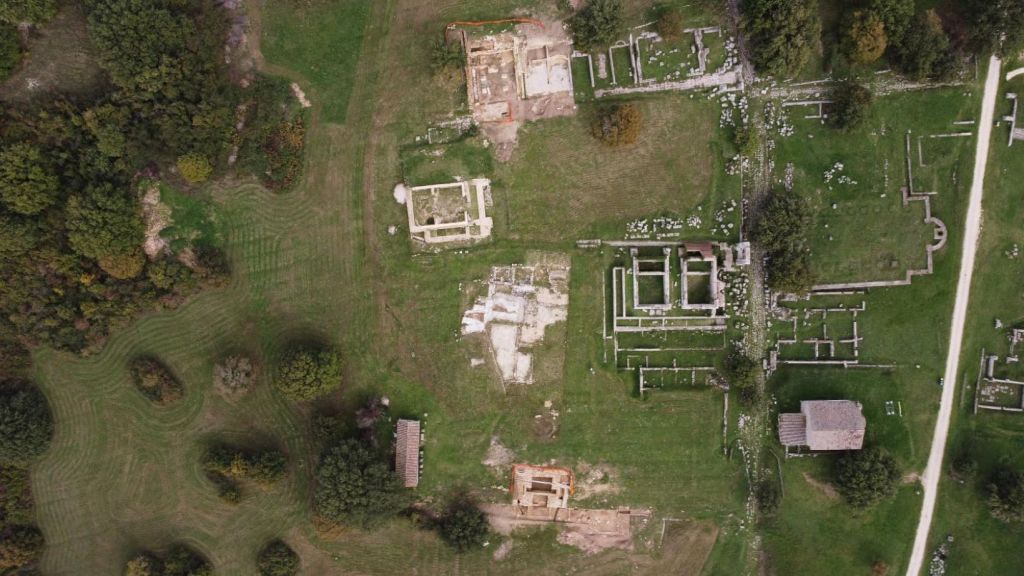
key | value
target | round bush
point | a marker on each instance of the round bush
(194, 168)
(306, 374)
(865, 477)
(277, 559)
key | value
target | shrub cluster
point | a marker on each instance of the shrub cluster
(180, 560)
(277, 559)
(305, 374)
(234, 375)
(155, 380)
(618, 125)
(226, 466)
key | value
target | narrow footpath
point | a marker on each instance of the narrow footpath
(972, 230)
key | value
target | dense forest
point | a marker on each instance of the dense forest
(72, 227)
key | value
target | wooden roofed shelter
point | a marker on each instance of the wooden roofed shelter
(407, 452)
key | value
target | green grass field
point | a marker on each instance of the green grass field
(318, 262)
(904, 327)
(124, 475)
(861, 230)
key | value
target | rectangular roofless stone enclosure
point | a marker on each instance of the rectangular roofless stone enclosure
(446, 213)
(515, 76)
(668, 303)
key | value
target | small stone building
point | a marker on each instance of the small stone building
(407, 452)
(823, 425)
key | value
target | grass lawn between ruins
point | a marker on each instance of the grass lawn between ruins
(905, 328)
(981, 544)
(123, 475)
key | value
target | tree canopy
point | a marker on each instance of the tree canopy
(356, 486)
(851, 105)
(277, 559)
(19, 546)
(10, 50)
(306, 374)
(463, 526)
(781, 229)
(1006, 495)
(994, 25)
(27, 185)
(897, 15)
(867, 476)
(783, 34)
(925, 50)
(597, 24)
(33, 11)
(104, 221)
(26, 425)
(865, 38)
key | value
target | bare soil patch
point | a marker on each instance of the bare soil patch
(498, 455)
(61, 59)
(826, 489)
(685, 547)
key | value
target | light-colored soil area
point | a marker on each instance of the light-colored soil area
(498, 456)
(61, 59)
(596, 480)
(157, 216)
(592, 531)
(522, 301)
(826, 489)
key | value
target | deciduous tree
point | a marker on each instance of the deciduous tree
(32, 11)
(781, 229)
(277, 559)
(897, 15)
(865, 39)
(925, 51)
(356, 486)
(26, 425)
(306, 374)
(784, 34)
(104, 221)
(597, 24)
(994, 25)
(463, 526)
(851, 106)
(865, 477)
(27, 185)
(20, 546)
(194, 168)
(10, 51)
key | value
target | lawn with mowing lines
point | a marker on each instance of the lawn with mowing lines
(123, 475)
